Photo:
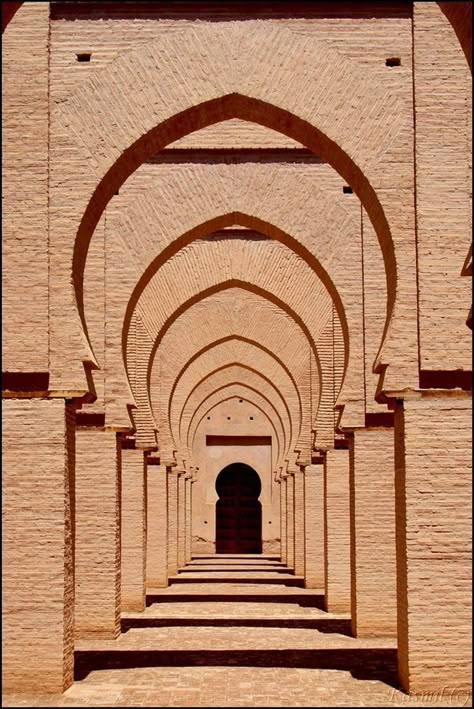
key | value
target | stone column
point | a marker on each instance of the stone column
(181, 519)
(290, 521)
(38, 554)
(299, 492)
(337, 537)
(188, 518)
(314, 527)
(372, 510)
(282, 482)
(433, 461)
(133, 529)
(157, 524)
(172, 522)
(97, 567)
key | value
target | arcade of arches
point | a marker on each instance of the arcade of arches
(236, 316)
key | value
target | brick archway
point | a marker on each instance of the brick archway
(208, 113)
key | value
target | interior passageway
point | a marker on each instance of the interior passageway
(237, 386)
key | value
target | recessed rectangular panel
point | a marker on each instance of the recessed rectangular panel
(238, 440)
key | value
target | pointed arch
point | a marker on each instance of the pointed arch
(233, 105)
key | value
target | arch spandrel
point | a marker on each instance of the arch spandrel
(253, 50)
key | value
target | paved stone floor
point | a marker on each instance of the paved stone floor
(238, 643)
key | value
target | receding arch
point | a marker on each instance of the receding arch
(230, 338)
(245, 397)
(231, 283)
(252, 394)
(232, 105)
(216, 388)
(215, 224)
(259, 325)
(229, 380)
(241, 385)
(244, 367)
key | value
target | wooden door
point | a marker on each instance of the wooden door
(238, 511)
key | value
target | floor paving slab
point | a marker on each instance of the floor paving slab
(235, 644)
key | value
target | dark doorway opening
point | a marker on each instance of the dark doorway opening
(238, 511)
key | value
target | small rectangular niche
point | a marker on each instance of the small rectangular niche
(347, 190)
(238, 440)
(84, 57)
(393, 61)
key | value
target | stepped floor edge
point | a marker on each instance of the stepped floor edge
(182, 651)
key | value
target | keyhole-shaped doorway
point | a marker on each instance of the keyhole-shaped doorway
(238, 510)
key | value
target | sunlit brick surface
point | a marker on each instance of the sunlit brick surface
(236, 247)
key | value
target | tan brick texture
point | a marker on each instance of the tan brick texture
(372, 510)
(290, 521)
(25, 218)
(300, 555)
(434, 537)
(443, 176)
(337, 526)
(188, 492)
(181, 520)
(157, 526)
(97, 539)
(133, 529)
(172, 522)
(314, 527)
(38, 565)
(283, 529)
(251, 227)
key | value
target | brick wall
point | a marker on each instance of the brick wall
(434, 533)
(133, 521)
(337, 531)
(97, 549)
(443, 175)
(25, 222)
(372, 506)
(38, 583)
(314, 527)
(157, 526)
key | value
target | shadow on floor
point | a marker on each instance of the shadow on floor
(323, 625)
(363, 663)
(304, 600)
